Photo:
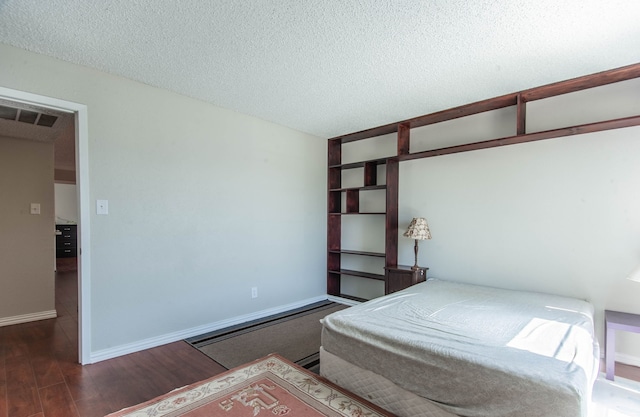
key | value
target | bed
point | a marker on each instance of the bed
(442, 349)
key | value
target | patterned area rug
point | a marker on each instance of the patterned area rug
(267, 387)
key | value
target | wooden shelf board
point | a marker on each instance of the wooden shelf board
(360, 164)
(529, 137)
(365, 188)
(359, 252)
(348, 214)
(359, 274)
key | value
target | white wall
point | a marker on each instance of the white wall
(66, 202)
(204, 204)
(560, 216)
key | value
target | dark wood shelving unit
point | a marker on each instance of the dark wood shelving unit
(403, 131)
(352, 194)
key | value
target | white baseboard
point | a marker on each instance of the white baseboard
(341, 300)
(152, 342)
(628, 359)
(25, 318)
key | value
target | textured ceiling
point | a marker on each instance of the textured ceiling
(334, 66)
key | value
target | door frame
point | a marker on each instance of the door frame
(84, 204)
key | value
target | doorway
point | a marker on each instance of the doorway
(79, 112)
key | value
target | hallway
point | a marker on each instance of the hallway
(40, 376)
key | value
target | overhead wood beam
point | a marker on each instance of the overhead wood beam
(462, 111)
(549, 90)
(582, 83)
(441, 116)
(530, 137)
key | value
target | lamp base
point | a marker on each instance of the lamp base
(415, 252)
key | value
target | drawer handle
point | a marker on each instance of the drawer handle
(67, 243)
(67, 251)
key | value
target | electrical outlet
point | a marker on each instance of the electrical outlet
(102, 206)
(254, 292)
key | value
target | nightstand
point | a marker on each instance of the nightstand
(615, 320)
(399, 277)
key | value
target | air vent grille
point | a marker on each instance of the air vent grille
(47, 120)
(27, 116)
(8, 113)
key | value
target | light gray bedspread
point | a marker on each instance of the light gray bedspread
(474, 350)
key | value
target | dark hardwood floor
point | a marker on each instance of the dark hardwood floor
(40, 376)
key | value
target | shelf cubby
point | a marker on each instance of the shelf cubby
(360, 274)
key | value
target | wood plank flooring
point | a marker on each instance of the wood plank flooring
(40, 376)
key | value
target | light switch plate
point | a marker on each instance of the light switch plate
(35, 208)
(102, 206)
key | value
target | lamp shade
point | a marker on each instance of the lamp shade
(635, 274)
(418, 229)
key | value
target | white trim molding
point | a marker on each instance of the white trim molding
(341, 300)
(26, 318)
(628, 359)
(152, 342)
(80, 112)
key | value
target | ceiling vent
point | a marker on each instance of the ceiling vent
(27, 116)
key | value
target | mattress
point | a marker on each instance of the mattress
(472, 350)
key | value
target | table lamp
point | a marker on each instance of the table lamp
(419, 230)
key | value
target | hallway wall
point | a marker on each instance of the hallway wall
(27, 242)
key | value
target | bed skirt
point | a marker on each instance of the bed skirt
(377, 389)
